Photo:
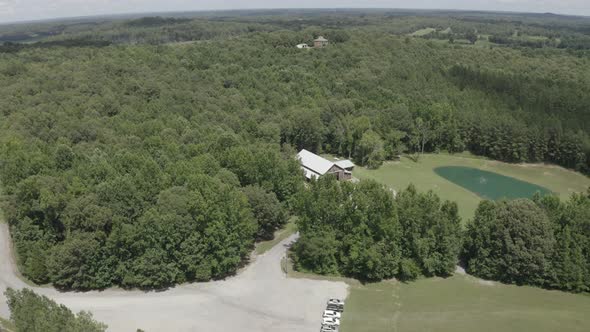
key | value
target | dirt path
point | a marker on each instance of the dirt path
(260, 298)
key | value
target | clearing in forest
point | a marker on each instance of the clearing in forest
(398, 175)
(423, 32)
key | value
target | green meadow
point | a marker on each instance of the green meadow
(398, 175)
(462, 303)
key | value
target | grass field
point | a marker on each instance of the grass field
(462, 303)
(399, 175)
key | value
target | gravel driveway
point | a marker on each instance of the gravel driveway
(260, 298)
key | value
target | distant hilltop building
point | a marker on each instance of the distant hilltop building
(317, 43)
(320, 42)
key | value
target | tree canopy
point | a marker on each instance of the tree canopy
(32, 312)
(544, 242)
(361, 231)
(129, 158)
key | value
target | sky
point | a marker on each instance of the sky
(23, 10)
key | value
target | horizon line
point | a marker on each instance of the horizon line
(140, 13)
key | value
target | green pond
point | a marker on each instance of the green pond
(489, 185)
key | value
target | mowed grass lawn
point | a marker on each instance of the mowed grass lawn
(399, 175)
(462, 303)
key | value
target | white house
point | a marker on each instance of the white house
(315, 166)
(302, 46)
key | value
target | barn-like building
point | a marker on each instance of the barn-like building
(315, 166)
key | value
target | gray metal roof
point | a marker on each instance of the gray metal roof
(314, 162)
(344, 164)
(321, 39)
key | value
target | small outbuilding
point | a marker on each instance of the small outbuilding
(345, 164)
(302, 46)
(320, 42)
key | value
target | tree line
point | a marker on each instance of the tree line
(361, 231)
(542, 242)
(10, 47)
(124, 221)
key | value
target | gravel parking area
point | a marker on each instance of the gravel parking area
(260, 298)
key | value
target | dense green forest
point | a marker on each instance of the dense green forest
(543, 242)
(360, 231)
(146, 152)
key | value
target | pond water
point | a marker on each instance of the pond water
(489, 185)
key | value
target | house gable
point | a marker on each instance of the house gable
(335, 169)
